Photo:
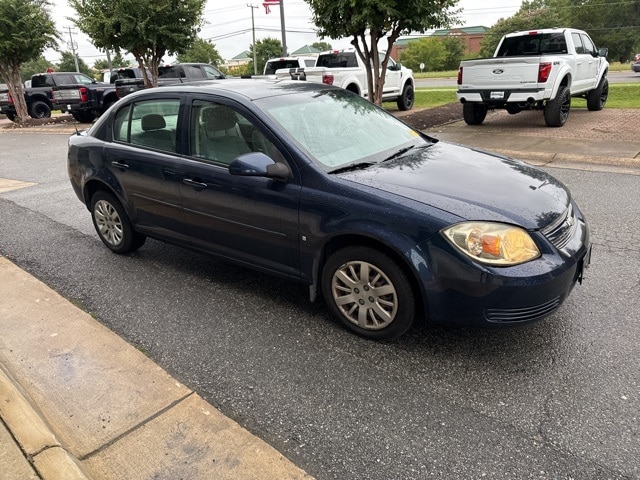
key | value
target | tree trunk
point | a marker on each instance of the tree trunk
(11, 75)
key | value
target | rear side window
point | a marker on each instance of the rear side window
(151, 124)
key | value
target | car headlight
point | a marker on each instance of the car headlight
(493, 243)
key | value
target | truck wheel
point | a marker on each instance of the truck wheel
(556, 111)
(597, 97)
(83, 117)
(39, 109)
(474, 113)
(405, 100)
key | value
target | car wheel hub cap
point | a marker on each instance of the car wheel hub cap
(364, 295)
(109, 223)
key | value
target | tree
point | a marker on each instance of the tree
(117, 61)
(430, 51)
(68, 64)
(610, 24)
(265, 49)
(364, 19)
(322, 46)
(455, 48)
(30, 68)
(202, 51)
(26, 29)
(531, 16)
(149, 29)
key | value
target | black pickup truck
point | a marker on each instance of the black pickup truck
(38, 95)
(86, 102)
(171, 74)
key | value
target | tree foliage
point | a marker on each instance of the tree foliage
(30, 68)
(68, 64)
(265, 49)
(26, 30)
(322, 46)
(531, 16)
(430, 51)
(149, 29)
(202, 51)
(368, 22)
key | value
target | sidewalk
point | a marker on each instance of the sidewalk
(78, 402)
(604, 140)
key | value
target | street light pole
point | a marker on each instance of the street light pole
(253, 30)
(284, 35)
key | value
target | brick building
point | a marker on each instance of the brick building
(471, 36)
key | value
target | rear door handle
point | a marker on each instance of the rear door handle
(119, 164)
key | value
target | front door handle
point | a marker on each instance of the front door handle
(119, 164)
(194, 183)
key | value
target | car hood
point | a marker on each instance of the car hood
(471, 184)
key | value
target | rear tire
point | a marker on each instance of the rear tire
(405, 100)
(597, 98)
(83, 117)
(474, 113)
(113, 225)
(11, 116)
(368, 292)
(39, 109)
(556, 112)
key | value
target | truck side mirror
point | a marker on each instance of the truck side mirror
(603, 52)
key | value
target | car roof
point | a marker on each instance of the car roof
(248, 88)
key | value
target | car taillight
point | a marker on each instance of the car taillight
(327, 79)
(460, 76)
(544, 70)
(10, 98)
(84, 94)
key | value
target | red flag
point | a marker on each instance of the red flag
(268, 3)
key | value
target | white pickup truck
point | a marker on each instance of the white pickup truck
(345, 69)
(540, 69)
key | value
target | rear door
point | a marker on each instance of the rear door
(144, 161)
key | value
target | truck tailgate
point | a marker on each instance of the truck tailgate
(495, 73)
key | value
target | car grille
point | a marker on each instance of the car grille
(505, 315)
(561, 230)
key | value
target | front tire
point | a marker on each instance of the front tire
(405, 100)
(39, 109)
(474, 113)
(368, 292)
(597, 98)
(113, 225)
(556, 112)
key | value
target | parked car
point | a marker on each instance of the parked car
(316, 184)
(635, 66)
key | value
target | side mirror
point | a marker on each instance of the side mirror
(257, 164)
(603, 52)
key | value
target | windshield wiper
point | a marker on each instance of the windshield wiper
(404, 150)
(353, 166)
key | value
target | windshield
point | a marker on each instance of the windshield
(337, 128)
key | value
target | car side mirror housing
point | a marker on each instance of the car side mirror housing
(603, 52)
(257, 164)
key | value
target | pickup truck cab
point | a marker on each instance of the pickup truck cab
(539, 69)
(345, 69)
(169, 75)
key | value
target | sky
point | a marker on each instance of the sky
(228, 25)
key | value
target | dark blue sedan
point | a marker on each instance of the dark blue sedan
(313, 183)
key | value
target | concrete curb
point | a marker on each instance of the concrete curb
(37, 441)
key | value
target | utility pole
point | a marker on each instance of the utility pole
(253, 30)
(72, 45)
(284, 35)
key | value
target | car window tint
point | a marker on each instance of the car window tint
(211, 72)
(220, 134)
(83, 79)
(577, 43)
(149, 124)
(589, 47)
